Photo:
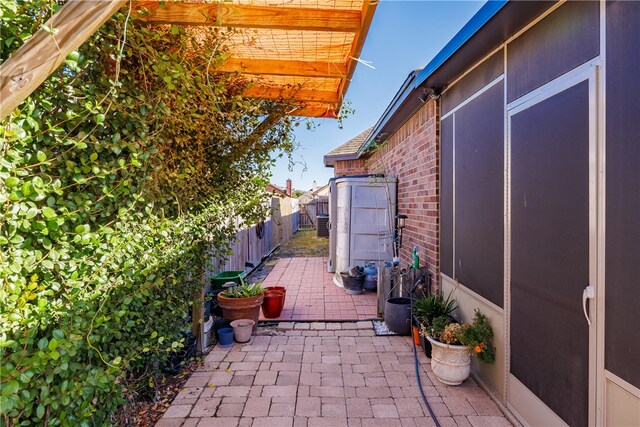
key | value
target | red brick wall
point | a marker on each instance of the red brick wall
(412, 156)
(349, 167)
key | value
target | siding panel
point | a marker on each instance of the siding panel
(623, 190)
(563, 40)
(479, 189)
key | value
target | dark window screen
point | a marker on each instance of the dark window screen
(479, 195)
(560, 42)
(622, 311)
(446, 196)
(550, 251)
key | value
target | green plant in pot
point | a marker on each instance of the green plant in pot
(242, 302)
(428, 308)
(454, 343)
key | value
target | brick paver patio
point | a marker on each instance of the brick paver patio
(323, 374)
(312, 295)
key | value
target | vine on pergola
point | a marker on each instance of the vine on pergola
(117, 175)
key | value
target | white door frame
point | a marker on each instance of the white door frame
(586, 72)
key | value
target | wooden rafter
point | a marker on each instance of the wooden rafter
(242, 16)
(284, 68)
(300, 54)
(368, 9)
(311, 109)
(43, 53)
(275, 93)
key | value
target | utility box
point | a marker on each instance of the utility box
(362, 216)
(321, 226)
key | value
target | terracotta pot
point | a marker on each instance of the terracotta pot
(241, 308)
(272, 304)
(281, 289)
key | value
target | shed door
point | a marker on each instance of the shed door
(552, 210)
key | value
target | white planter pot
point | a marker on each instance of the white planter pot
(242, 330)
(451, 364)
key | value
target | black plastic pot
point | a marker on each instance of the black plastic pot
(216, 310)
(424, 342)
(177, 359)
(397, 315)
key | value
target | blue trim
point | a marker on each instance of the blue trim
(478, 20)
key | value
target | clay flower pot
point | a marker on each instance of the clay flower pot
(242, 330)
(241, 308)
(272, 304)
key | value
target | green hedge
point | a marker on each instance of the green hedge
(118, 177)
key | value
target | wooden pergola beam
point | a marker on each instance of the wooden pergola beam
(275, 93)
(324, 111)
(368, 9)
(284, 68)
(245, 16)
(43, 53)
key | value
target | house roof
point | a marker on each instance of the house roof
(491, 26)
(274, 189)
(350, 150)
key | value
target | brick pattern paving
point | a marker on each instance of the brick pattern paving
(323, 374)
(312, 295)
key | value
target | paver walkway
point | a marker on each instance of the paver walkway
(323, 374)
(312, 295)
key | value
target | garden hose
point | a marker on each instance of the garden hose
(415, 354)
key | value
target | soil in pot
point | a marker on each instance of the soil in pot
(397, 314)
(272, 304)
(242, 329)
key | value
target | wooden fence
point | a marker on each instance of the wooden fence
(254, 242)
(309, 212)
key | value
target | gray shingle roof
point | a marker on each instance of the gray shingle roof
(348, 150)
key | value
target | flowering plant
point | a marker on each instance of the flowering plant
(477, 336)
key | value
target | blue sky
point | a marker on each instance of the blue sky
(404, 35)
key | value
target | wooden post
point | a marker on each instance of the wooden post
(197, 314)
(44, 52)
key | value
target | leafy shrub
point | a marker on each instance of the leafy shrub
(119, 175)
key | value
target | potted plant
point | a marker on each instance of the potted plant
(454, 343)
(427, 308)
(242, 302)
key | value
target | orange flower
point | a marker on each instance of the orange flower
(478, 349)
(467, 325)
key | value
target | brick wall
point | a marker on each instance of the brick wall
(349, 167)
(412, 156)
